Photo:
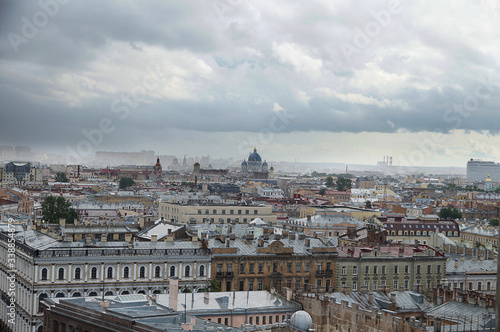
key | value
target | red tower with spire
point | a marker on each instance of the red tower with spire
(157, 168)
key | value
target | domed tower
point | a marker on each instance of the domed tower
(254, 162)
(488, 184)
(244, 166)
(271, 172)
(264, 166)
(196, 168)
(301, 320)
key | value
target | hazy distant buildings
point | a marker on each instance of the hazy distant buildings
(125, 158)
(478, 170)
(20, 172)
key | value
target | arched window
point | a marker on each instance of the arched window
(40, 299)
(424, 233)
(93, 273)
(449, 233)
(411, 233)
(77, 294)
(108, 293)
(126, 272)
(202, 270)
(78, 273)
(44, 274)
(418, 233)
(157, 272)
(187, 271)
(142, 272)
(455, 234)
(141, 292)
(125, 292)
(172, 271)
(93, 294)
(110, 272)
(400, 233)
(60, 274)
(393, 233)
(60, 294)
(406, 232)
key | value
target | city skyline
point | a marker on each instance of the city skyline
(315, 82)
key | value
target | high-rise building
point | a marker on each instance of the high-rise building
(478, 170)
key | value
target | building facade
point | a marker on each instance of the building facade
(478, 170)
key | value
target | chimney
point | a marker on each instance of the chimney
(308, 217)
(154, 238)
(128, 237)
(261, 243)
(277, 236)
(289, 294)
(393, 297)
(308, 242)
(364, 289)
(206, 297)
(228, 243)
(104, 237)
(284, 233)
(370, 298)
(232, 237)
(229, 229)
(302, 236)
(249, 236)
(104, 304)
(174, 293)
(292, 236)
(456, 263)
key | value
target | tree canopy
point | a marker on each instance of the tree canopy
(329, 182)
(55, 208)
(343, 184)
(450, 213)
(214, 286)
(126, 182)
(494, 222)
(61, 177)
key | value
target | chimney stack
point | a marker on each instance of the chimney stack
(228, 243)
(308, 242)
(456, 263)
(174, 293)
(289, 294)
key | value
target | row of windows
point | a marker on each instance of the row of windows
(382, 269)
(126, 272)
(265, 319)
(260, 267)
(424, 233)
(207, 211)
(375, 285)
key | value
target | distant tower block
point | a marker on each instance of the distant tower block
(390, 162)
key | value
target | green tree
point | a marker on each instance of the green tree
(322, 191)
(61, 177)
(343, 184)
(450, 213)
(214, 286)
(126, 182)
(368, 204)
(329, 182)
(186, 290)
(494, 222)
(55, 208)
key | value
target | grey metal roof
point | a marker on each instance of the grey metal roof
(469, 317)
(469, 265)
(405, 301)
(229, 301)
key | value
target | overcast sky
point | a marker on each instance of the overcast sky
(324, 81)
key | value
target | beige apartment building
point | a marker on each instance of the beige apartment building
(215, 212)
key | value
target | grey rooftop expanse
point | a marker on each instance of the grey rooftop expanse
(252, 301)
(469, 317)
(469, 265)
(405, 301)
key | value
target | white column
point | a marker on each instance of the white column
(53, 273)
(70, 272)
(85, 272)
(150, 270)
(135, 271)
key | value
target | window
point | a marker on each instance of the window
(157, 272)
(261, 268)
(229, 267)
(231, 211)
(247, 211)
(44, 274)
(255, 212)
(202, 270)
(93, 273)
(251, 268)
(199, 211)
(367, 270)
(142, 272)
(343, 270)
(239, 211)
(355, 270)
(250, 285)
(110, 273)
(395, 285)
(172, 271)
(242, 285)
(250, 321)
(406, 269)
(383, 269)
(375, 269)
(214, 211)
(226, 321)
(297, 267)
(277, 319)
(60, 274)
(257, 318)
(470, 285)
(297, 283)
(320, 267)
(223, 212)
(78, 273)
(264, 320)
(242, 268)
(219, 320)
(406, 284)
(488, 285)
(374, 285)
(289, 267)
(328, 266)
(428, 269)
(354, 285)
(396, 269)
(418, 269)
(219, 268)
(307, 267)
(318, 283)
(259, 285)
(126, 272)
(187, 271)
(270, 319)
(275, 267)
